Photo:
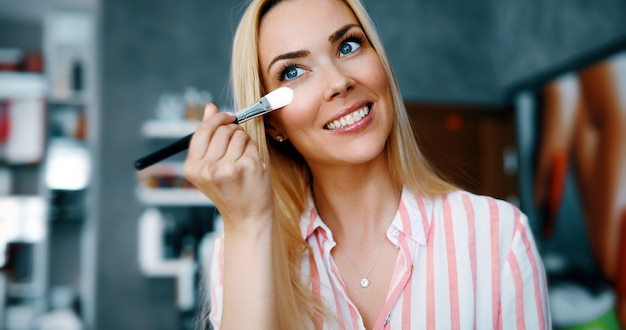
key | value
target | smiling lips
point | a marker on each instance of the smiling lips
(349, 119)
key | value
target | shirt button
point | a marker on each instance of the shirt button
(395, 233)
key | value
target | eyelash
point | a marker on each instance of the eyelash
(283, 70)
(354, 38)
(291, 65)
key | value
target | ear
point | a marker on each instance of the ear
(271, 130)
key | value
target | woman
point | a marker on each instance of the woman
(584, 123)
(332, 217)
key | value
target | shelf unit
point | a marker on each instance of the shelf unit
(160, 129)
(171, 202)
(181, 193)
(65, 255)
(24, 227)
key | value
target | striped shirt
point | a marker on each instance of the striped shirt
(465, 262)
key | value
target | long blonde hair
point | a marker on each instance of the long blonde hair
(290, 175)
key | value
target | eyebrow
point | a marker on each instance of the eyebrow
(290, 55)
(303, 53)
(341, 32)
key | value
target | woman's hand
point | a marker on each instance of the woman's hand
(223, 162)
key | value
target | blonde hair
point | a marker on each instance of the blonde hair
(290, 175)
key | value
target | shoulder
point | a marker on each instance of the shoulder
(462, 206)
(482, 206)
(488, 216)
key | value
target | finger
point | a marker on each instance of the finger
(251, 151)
(209, 110)
(212, 119)
(237, 145)
(220, 142)
(199, 141)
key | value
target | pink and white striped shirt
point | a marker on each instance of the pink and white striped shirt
(465, 262)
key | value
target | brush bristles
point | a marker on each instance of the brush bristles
(280, 97)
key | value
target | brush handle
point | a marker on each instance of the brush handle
(274, 100)
(169, 150)
(165, 152)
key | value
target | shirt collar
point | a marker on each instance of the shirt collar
(412, 219)
(310, 220)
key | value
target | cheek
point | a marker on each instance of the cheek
(374, 74)
(295, 116)
(290, 117)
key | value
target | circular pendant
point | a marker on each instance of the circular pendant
(365, 282)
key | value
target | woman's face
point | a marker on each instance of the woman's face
(342, 112)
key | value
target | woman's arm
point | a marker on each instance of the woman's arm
(223, 162)
(249, 300)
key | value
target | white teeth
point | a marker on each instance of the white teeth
(349, 119)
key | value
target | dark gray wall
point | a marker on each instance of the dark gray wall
(26, 36)
(148, 47)
(442, 50)
(468, 51)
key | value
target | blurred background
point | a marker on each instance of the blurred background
(89, 86)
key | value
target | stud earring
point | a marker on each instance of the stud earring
(280, 138)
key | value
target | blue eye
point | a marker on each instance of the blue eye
(349, 47)
(290, 72)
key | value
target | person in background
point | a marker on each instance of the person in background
(584, 127)
(332, 216)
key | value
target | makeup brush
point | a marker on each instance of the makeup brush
(272, 101)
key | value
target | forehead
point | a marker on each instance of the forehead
(293, 20)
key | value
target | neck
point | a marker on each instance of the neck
(356, 202)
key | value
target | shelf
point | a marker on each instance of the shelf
(168, 129)
(171, 197)
(22, 85)
(177, 195)
(76, 101)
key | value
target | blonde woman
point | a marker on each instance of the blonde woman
(332, 217)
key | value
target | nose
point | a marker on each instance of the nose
(338, 81)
